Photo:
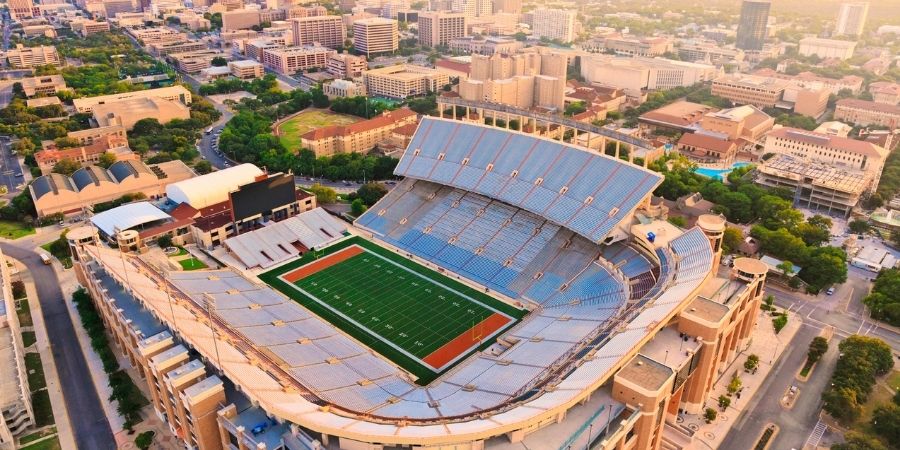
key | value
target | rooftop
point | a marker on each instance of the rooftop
(869, 105)
(829, 141)
(681, 114)
(646, 373)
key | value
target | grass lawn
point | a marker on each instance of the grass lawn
(192, 264)
(65, 260)
(35, 371)
(879, 396)
(49, 444)
(43, 412)
(292, 129)
(28, 338)
(416, 317)
(14, 230)
(24, 312)
(37, 435)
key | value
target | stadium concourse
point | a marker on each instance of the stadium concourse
(601, 319)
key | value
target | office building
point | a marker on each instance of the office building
(553, 24)
(669, 328)
(22, 9)
(43, 86)
(807, 98)
(290, 60)
(473, 8)
(23, 57)
(345, 65)
(865, 113)
(156, 35)
(173, 93)
(851, 19)
(827, 48)
(751, 31)
(193, 62)
(375, 36)
(486, 46)
(404, 81)
(439, 28)
(240, 19)
(507, 6)
(328, 31)
(246, 69)
(165, 49)
(86, 27)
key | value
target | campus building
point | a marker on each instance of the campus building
(128, 112)
(553, 24)
(345, 65)
(817, 186)
(636, 75)
(609, 357)
(375, 35)
(866, 113)
(56, 193)
(23, 57)
(86, 154)
(195, 61)
(403, 81)
(806, 98)
(172, 93)
(827, 48)
(328, 31)
(439, 28)
(167, 48)
(851, 18)
(290, 60)
(751, 31)
(43, 86)
(359, 137)
(246, 69)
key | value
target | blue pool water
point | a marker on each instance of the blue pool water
(719, 174)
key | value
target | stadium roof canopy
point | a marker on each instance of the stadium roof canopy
(212, 188)
(275, 243)
(127, 216)
(586, 192)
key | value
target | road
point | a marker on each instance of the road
(89, 423)
(845, 312)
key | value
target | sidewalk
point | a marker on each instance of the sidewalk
(769, 347)
(42, 346)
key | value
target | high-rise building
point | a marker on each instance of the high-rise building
(21, 9)
(473, 8)
(554, 24)
(438, 28)
(508, 6)
(751, 32)
(328, 31)
(851, 19)
(375, 35)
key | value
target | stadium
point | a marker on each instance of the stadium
(510, 292)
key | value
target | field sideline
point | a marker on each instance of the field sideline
(421, 320)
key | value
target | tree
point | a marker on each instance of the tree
(751, 363)
(202, 167)
(786, 268)
(825, 266)
(710, 415)
(107, 159)
(678, 221)
(842, 404)
(144, 440)
(817, 348)
(66, 167)
(886, 422)
(859, 226)
(779, 322)
(858, 441)
(735, 384)
(219, 61)
(737, 207)
(164, 241)
(862, 359)
(370, 193)
(724, 402)
(884, 300)
(732, 239)
(357, 207)
(812, 235)
(323, 194)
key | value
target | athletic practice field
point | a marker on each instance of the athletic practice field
(422, 320)
(290, 130)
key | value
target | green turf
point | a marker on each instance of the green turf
(35, 370)
(293, 128)
(14, 230)
(192, 264)
(47, 444)
(418, 318)
(28, 338)
(43, 411)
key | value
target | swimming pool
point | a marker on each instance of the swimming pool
(719, 174)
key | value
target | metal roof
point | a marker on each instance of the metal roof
(127, 216)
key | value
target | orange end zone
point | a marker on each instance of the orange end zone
(322, 263)
(465, 341)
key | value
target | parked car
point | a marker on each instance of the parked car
(830, 291)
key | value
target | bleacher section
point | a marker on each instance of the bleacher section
(542, 176)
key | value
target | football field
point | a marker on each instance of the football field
(422, 320)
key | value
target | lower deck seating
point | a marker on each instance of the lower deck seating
(499, 246)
